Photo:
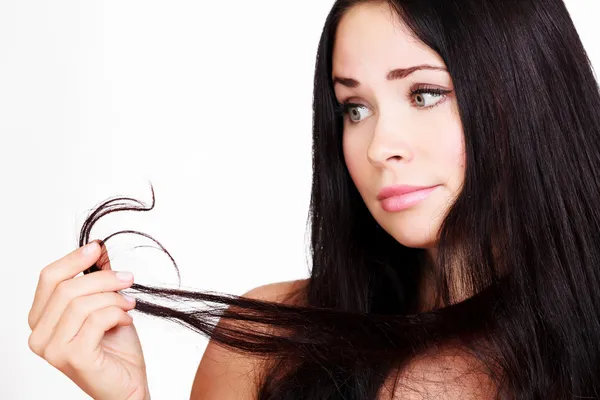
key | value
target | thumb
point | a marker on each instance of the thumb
(103, 262)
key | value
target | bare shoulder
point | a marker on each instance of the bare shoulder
(287, 292)
(224, 374)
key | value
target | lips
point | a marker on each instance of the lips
(402, 197)
(398, 190)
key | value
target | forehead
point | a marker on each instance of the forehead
(372, 35)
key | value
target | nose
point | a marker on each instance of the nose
(389, 143)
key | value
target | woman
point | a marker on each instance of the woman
(477, 277)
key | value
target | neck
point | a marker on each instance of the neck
(428, 288)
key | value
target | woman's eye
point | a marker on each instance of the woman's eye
(425, 98)
(356, 112)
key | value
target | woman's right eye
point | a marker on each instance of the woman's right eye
(355, 111)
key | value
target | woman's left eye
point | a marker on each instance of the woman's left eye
(422, 95)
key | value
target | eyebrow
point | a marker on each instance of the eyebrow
(397, 73)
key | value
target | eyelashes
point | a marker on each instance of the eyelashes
(346, 109)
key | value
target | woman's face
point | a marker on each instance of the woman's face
(393, 137)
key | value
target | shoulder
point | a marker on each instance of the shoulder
(287, 292)
(225, 374)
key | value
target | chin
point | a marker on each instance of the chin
(418, 237)
(415, 243)
(411, 232)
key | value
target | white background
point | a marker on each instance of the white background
(208, 100)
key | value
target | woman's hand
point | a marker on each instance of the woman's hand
(80, 325)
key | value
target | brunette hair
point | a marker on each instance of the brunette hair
(523, 230)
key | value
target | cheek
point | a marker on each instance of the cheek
(456, 144)
(453, 157)
(354, 156)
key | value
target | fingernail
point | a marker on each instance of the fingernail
(124, 276)
(89, 248)
(129, 298)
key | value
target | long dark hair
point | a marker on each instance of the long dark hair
(522, 236)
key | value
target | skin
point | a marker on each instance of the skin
(80, 325)
(391, 136)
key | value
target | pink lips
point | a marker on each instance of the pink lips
(399, 197)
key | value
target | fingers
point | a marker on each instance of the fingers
(78, 311)
(70, 291)
(103, 261)
(58, 271)
(87, 341)
(84, 350)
